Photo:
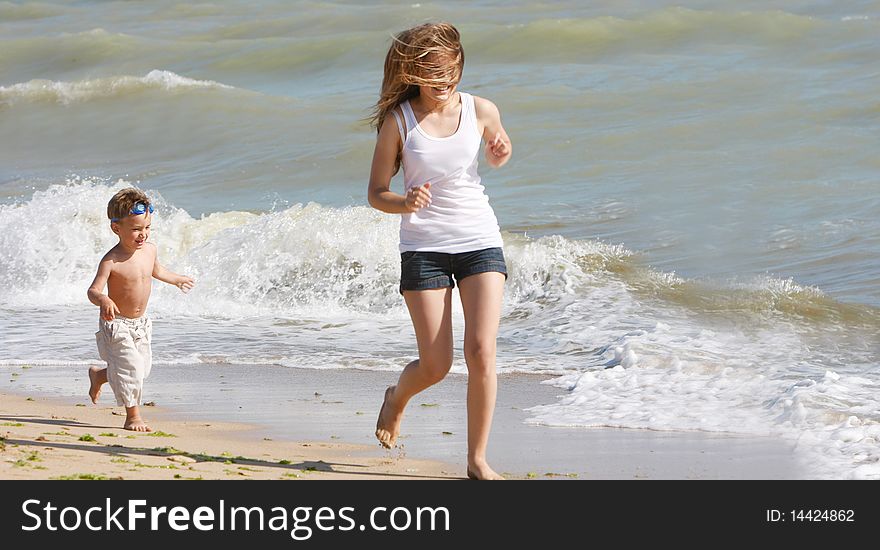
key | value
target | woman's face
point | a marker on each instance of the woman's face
(438, 94)
(443, 74)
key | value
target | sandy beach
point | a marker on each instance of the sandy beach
(266, 422)
(44, 438)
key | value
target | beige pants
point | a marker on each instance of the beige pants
(125, 345)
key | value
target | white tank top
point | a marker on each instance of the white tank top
(459, 218)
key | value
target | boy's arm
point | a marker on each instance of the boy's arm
(182, 282)
(498, 146)
(96, 290)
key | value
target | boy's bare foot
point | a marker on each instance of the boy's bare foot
(133, 420)
(137, 425)
(483, 472)
(388, 423)
(95, 383)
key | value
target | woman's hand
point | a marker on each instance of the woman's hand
(497, 150)
(417, 197)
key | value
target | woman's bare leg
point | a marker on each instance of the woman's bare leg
(481, 297)
(431, 313)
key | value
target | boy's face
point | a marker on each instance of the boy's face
(133, 230)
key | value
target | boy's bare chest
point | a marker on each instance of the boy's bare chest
(132, 273)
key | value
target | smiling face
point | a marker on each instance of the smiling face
(133, 231)
(440, 75)
(438, 94)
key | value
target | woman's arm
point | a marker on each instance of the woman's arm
(379, 193)
(498, 145)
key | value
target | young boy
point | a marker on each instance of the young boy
(125, 333)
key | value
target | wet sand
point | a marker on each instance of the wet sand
(269, 414)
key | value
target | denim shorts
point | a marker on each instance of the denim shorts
(427, 270)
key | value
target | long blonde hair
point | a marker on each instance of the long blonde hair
(427, 55)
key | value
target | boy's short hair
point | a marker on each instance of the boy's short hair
(123, 201)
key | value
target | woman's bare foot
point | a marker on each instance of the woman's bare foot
(483, 472)
(388, 423)
(97, 377)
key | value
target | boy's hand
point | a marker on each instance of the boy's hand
(108, 309)
(417, 197)
(185, 283)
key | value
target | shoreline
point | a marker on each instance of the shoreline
(51, 438)
(323, 420)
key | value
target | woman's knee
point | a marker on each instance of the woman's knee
(435, 370)
(480, 354)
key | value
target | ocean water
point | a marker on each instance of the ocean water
(691, 216)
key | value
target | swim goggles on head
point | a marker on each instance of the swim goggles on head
(137, 210)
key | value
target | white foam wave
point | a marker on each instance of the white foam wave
(99, 88)
(314, 287)
(43, 363)
(735, 380)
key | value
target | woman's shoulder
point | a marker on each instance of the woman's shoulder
(484, 107)
(392, 116)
